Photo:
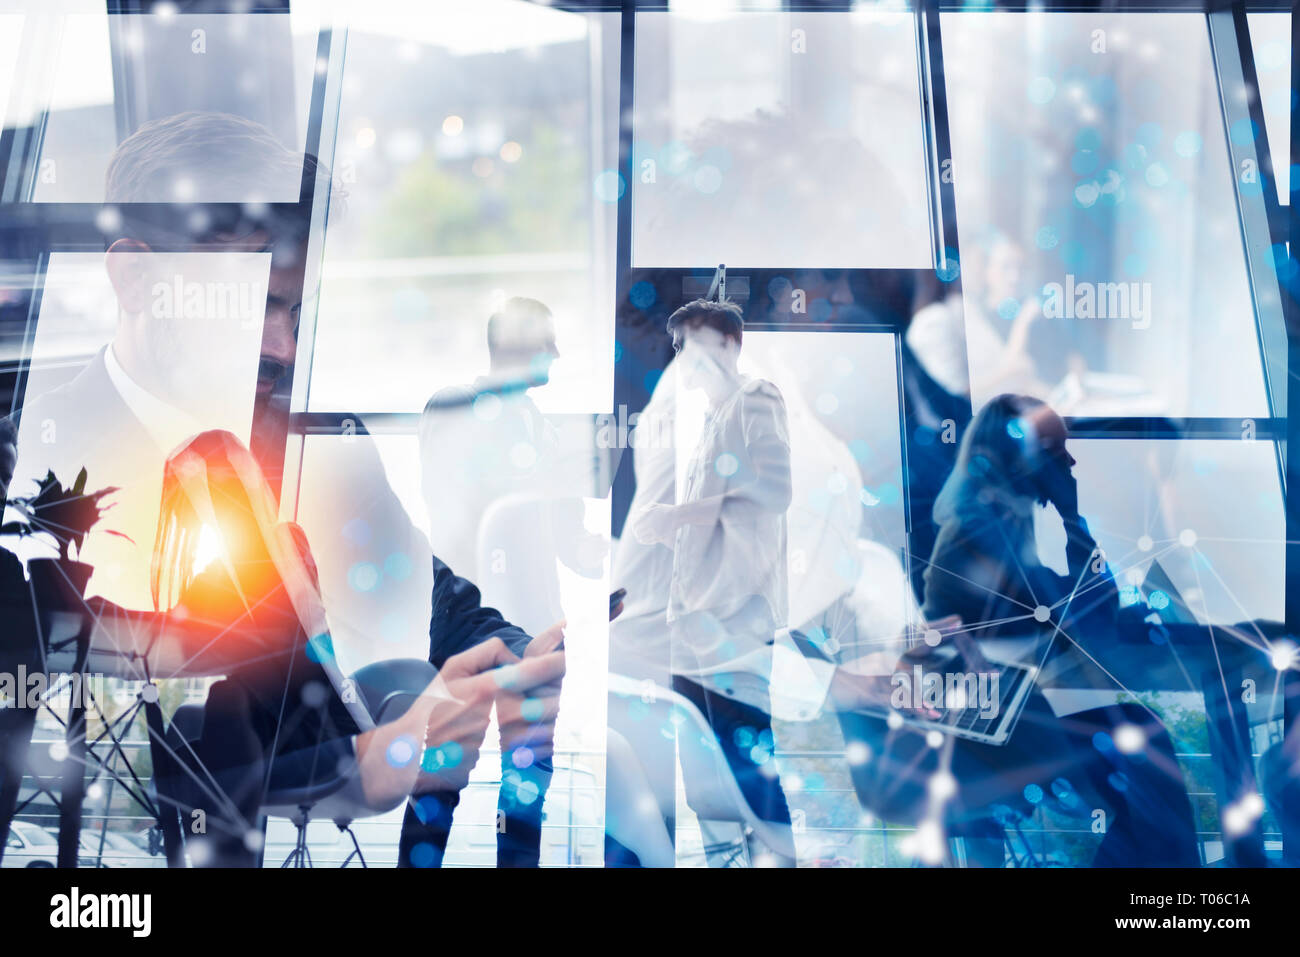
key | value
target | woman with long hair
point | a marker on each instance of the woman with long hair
(236, 593)
(985, 565)
(985, 570)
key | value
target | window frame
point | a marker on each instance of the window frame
(30, 232)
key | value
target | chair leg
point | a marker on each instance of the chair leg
(74, 768)
(356, 847)
(15, 741)
(300, 856)
(731, 851)
(166, 777)
(304, 855)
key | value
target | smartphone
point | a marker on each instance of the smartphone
(614, 598)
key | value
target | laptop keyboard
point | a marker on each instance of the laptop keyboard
(971, 719)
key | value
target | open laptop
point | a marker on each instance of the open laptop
(982, 705)
(992, 718)
(1000, 693)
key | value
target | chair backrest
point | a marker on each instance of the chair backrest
(650, 716)
(388, 688)
(518, 543)
(633, 812)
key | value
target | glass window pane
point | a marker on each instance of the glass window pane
(1102, 257)
(120, 377)
(1270, 39)
(846, 513)
(85, 80)
(11, 38)
(778, 139)
(845, 585)
(373, 505)
(841, 393)
(1163, 500)
(474, 191)
(366, 511)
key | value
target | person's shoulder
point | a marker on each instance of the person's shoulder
(66, 426)
(762, 397)
(763, 389)
(983, 515)
(84, 393)
(450, 398)
(936, 317)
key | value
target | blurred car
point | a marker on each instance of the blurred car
(30, 845)
(119, 850)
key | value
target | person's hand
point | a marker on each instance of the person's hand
(1061, 489)
(527, 721)
(451, 713)
(463, 694)
(867, 683)
(655, 524)
(861, 685)
(527, 709)
(1030, 312)
(549, 640)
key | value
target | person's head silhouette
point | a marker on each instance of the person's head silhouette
(1013, 451)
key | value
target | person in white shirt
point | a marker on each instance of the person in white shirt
(486, 440)
(962, 341)
(727, 531)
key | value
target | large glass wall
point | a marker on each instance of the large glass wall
(420, 259)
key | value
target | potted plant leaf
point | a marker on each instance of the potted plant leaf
(66, 516)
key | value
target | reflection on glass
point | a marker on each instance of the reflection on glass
(1270, 41)
(1210, 512)
(11, 35)
(778, 139)
(135, 353)
(84, 80)
(475, 191)
(486, 440)
(846, 587)
(362, 504)
(1101, 255)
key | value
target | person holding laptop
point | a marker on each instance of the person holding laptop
(985, 570)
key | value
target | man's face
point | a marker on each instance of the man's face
(181, 353)
(531, 361)
(703, 355)
(280, 329)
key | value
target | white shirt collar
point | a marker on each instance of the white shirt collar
(167, 425)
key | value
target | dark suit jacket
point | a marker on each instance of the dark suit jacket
(460, 620)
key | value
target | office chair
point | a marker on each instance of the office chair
(648, 716)
(387, 688)
(530, 530)
(634, 813)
